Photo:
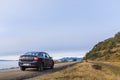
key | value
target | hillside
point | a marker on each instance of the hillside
(85, 71)
(107, 50)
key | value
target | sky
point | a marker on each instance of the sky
(60, 27)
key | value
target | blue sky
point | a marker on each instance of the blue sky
(60, 27)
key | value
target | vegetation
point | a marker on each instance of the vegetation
(85, 71)
(107, 50)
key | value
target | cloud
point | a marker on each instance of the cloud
(9, 57)
(58, 55)
(51, 25)
(55, 55)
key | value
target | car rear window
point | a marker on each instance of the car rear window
(32, 53)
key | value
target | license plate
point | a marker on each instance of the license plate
(26, 64)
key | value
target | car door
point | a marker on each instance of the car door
(41, 56)
(49, 60)
(45, 59)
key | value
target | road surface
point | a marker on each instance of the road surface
(16, 74)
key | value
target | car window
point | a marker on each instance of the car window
(32, 53)
(47, 56)
(44, 56)
(41, 55)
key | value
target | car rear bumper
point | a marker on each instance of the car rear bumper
(26, 64)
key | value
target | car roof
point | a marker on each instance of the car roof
(35, 52)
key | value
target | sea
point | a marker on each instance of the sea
(8, 64)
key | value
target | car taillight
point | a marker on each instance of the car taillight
(36, 58)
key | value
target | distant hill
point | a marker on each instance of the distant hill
(71, 58)
(107, 50)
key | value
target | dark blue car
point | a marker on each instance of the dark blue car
(39, 60)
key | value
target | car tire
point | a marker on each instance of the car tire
(22, 68)
(40, 67)
(51, 67)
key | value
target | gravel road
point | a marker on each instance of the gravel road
(16, 74)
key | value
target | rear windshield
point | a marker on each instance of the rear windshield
(32, 53)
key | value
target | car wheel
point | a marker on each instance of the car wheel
(22, 68)
(51, 67)
(40, 68)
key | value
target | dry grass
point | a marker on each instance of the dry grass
(115, 63)
(60, 61)
(82, 71)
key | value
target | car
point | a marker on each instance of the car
(39, 60)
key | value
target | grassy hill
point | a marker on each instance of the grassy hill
(107, 50)
(86, 71)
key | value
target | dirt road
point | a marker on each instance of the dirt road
(16, 74)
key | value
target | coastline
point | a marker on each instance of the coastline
(9, 68)
(8, 64)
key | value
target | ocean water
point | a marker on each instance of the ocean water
(8, 64)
